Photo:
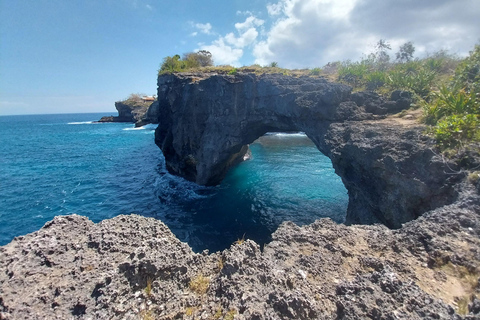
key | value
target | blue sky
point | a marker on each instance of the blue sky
(62, 56)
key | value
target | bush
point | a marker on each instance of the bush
(315, 71)
(353, 73)
(190, 61)
(454, 111)
(453, 130)
(412, 76)
(467, 74)
(375, 80)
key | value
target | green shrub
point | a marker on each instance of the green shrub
(448, 102)
(467, 74)
(233, 72)
(453, 130)
(375, 80)
(190, 61)
(454, 110)
(353, 73)
(412, 76)
(315, 71)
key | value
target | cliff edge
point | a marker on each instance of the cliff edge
(131, 267)
(134, 109)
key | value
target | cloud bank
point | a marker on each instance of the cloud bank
(310, 33)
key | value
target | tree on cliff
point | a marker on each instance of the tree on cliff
(201, 58)
(380, 56)
(405, 53)
(190, 60)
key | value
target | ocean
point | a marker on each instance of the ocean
(62, 164)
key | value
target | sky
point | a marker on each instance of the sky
(75, 56)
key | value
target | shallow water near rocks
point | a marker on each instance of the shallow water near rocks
(61, 164)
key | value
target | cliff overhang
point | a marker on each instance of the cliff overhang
(390, 170)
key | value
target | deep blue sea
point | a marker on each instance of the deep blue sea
(61, 164)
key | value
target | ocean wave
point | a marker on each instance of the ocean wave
(130, 129)
(286, 134)
(174, 190)
(145, 127)
(150, 126)
(82, 122)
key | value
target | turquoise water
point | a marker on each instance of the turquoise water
(61, 164)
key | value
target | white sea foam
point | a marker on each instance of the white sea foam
(285, 134)
(150, 126)
(134, 128)
(145, 127)
(82, 122)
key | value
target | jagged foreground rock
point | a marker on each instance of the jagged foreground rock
(131, 267)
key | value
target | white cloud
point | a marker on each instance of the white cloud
(244, 13)
(250, 22)
(205, 28)
(309, 33)
(229, 49)
(223, 53)
(274, 9)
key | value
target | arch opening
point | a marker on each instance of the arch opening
(390, 172)
(286, 178)
(298, 178)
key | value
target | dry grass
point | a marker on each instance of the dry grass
(148, 288)
(241, 240)
(474, 177)
(190, 311)
(230, 315)
(199, 284)
(218, 313)
(220, 264)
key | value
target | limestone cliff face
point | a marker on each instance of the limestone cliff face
(390, 171)
(131, 112)
(206, 121)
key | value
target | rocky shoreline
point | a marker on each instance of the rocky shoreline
(140, 115)
(132, 267)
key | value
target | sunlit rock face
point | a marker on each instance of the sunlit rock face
(206, 122)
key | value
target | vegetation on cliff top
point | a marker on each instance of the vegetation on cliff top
(191, 60)
(454, 110)
(136, 100)
(445, 86)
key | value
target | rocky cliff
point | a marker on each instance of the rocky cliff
(390, 170)
(135, 112)
(131, 267)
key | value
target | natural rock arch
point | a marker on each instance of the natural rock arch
(207, 121)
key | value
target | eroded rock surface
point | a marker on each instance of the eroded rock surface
(137, 113)
(390, 171)
(131, 267)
